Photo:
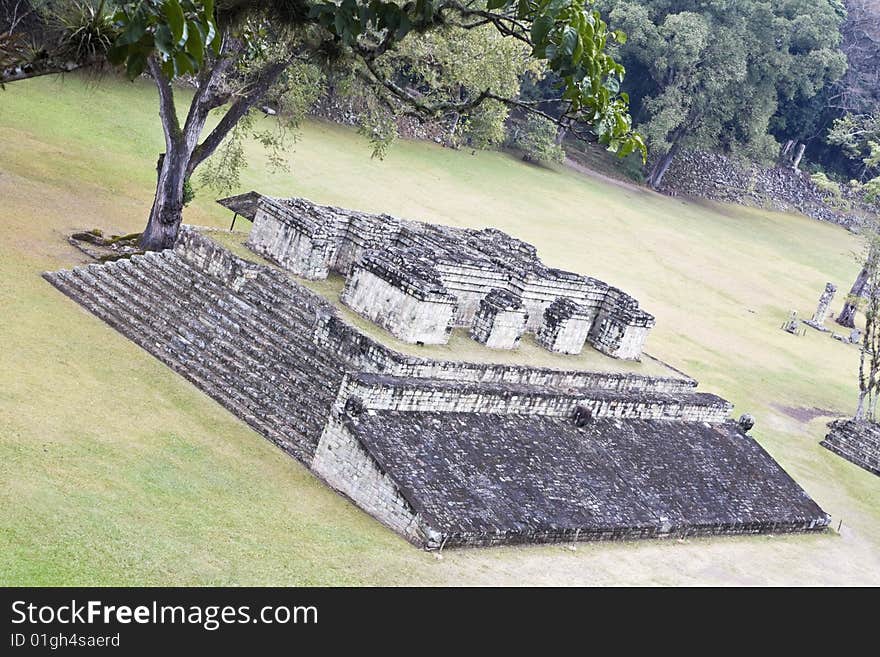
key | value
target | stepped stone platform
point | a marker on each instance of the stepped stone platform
(419, 280)
(857, 442)
(446, 453)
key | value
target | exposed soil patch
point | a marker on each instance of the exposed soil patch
(104, 249)
(804, 414)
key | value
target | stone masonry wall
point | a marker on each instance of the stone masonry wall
(368, 354)
(714, 176)
(379, 392)
(857, 442)
(341, 461)
(405, 316)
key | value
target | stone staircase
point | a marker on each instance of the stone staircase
(857, 442)
(248, 336)
(251, 349)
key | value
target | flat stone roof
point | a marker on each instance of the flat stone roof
(483, 475)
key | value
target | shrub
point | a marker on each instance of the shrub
(537, 141)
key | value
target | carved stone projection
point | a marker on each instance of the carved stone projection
(817, 321)
(419, 280)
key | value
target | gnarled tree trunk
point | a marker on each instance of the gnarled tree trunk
(167, 211)
(848, 314)
(183, 152)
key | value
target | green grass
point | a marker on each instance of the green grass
(115, 470)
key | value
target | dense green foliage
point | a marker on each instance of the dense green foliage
(537, 141)
(714, 74)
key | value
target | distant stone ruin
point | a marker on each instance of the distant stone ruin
(817, 321)
(714, 176)
(446, 453)
(857, 442)
(419, 281)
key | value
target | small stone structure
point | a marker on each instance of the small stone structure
(500, 320)
(854, 337)
(792, 325)
(817, 321)
(419, 281)
(565, 328)
(857, 442)
(402, 294)
(445, 453)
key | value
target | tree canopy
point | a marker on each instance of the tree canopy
(239, 53)
(712, 74)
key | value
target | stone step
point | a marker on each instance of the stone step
(233, 365)
(114, 309)
(219, 302)
(293, 334)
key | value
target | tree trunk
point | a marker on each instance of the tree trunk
(183, 152)
(560, 135)
(796, 162)
(661, 166)
(847, 315)
(167, 211)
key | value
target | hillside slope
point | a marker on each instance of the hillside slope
(115, 470)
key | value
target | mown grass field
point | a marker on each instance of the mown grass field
(114, 470)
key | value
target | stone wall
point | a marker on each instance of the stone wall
(366, 353)
(382, 392)
(450, 265)
(342, 462)
(857, 442)
(411, 317)
(714, 176)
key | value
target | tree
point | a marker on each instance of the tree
(235, 52)
(858, 137)
(869, 354)
(537, 140)
(714, 72)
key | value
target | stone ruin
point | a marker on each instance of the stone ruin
(792, 324)
(817, 321)
(419, 281)
(446, 453)
(856, 441)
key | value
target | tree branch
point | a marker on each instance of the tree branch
(267, 76)
(167, 109)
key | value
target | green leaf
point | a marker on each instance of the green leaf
(176, 20)
(194, 43)
(496, 4)
(135, 65)
(540, 29)
(133, 32)
(570, 40)
(163, 41)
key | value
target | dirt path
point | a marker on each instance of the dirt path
(580, 168)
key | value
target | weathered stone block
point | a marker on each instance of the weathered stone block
(501, 320)
(565, 328)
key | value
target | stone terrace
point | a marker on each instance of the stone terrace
(419, 280)
(444, 452)
(473, 479)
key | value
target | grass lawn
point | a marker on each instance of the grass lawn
(115, 470)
